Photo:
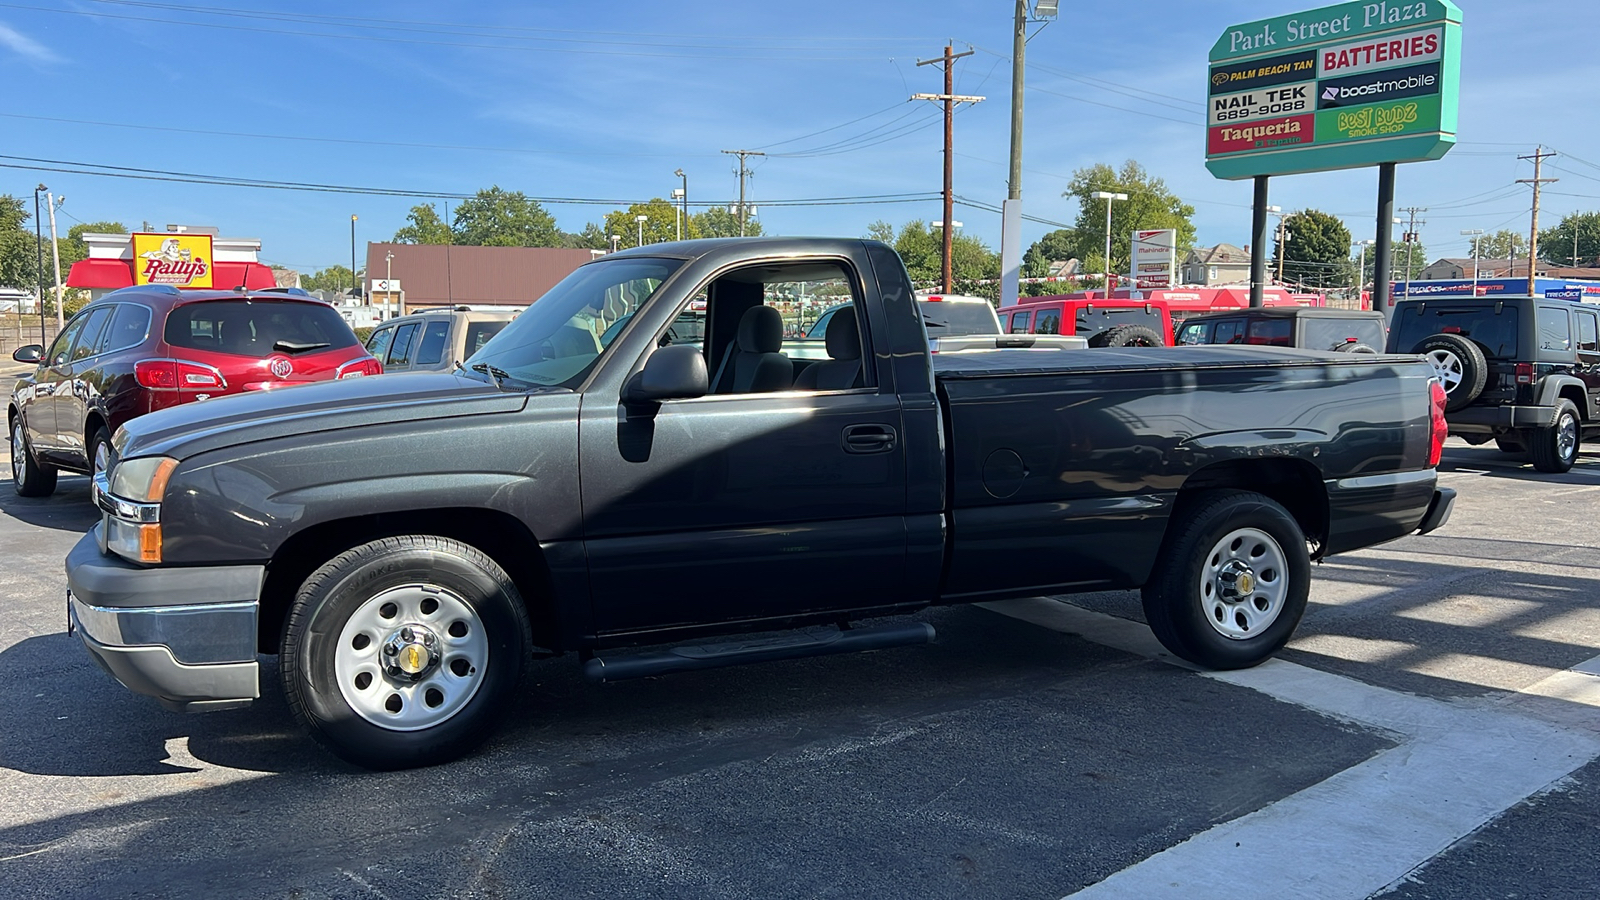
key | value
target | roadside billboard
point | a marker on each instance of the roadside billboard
(1340, 87)
(1154, 258)
(181, 260)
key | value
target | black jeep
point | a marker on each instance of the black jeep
(1521, 371)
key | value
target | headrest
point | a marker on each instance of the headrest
(761, 330)
(844, 335)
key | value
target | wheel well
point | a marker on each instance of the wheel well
(1294, 483)
(1576, 395)
(93, 422)
(503, 537)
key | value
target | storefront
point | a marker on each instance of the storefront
(1562, 288)
(182, 259)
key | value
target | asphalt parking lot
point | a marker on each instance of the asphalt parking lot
(1430, 733)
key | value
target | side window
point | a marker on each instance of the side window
(130, 325)
(1555, 332)
(1228, 331)
(750, 311)
(1048, 322)
(431, 350)
(1019, 322)
(1193, 334)
(1587, 339)
(88, 342)
(1271, 332)
(400, 350)
(378, 343)
(63, 342)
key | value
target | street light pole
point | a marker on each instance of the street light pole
(1474, 233)
(615, 240)
(641, 220)
(1108, 196)
(38, 246)
(50, 201)
(353, 287)
(388, 278)
(683, 201)
(1361, 266)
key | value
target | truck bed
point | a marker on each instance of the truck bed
(1114, 359)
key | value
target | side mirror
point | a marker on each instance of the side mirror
(28, 353)
(676, 372)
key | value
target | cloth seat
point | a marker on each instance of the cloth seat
(752, 363)
(843, 368)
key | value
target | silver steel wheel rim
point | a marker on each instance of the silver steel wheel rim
(102, 458)
(1567, 437)
(1239, 612)
(432, 696)
(19, 463)
(1447, 366)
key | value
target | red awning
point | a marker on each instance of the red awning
(251, 275)
(117, 273)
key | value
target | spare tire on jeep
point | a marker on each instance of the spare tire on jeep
(1460, 365)
(1127, 336)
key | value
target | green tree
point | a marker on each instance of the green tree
(661, 224)
(717, 222)
(1502, 244)
(1150, 205)
(1055, 246)
(592, 237)
(974, 268)
(500, 218)
(881, 231)
(1317, 251)
(1557, 244)
(18, 250)
(423, 226)
(333, 278)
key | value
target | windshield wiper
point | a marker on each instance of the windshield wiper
(499, 375)
(298, 346)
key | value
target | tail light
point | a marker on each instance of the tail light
(1439, 429)
(1524, 373)
(175, 374)
(356, 368)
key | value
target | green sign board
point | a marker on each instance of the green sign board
(1351, 85)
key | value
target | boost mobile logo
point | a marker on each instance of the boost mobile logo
(1330, 94)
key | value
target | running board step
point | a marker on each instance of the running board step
(735, 653)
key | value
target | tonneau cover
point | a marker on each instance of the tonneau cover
(988, 364)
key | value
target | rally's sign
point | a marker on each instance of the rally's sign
(1335, 88)
(181, 260)
(1155, 258)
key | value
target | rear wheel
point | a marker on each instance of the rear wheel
(1129, 336)
(403, 652)
(1353, 348)
(29, 477)
(1460, 366)
(1554, 448)
(1232, 582)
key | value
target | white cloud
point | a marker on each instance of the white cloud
(25, 46)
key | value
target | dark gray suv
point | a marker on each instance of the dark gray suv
(1521, 371)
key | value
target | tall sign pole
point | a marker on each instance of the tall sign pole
(949, 98)
(1383, 253)
(1011, 210)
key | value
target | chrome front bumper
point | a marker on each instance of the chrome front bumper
(186, 636)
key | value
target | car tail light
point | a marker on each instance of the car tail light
(1439, 429)
(1524, 373)
(173, 374)
(357, 368)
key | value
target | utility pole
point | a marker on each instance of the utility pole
(1410, 238)
(744, 172)
(353, 287)
(950, 99)
(1283, 237)
(1538, 157)
(388, 278)
(38, 265)
(55, 253)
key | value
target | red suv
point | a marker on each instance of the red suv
(1104, 323)
(141, 349)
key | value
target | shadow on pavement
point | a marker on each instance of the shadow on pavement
(68, 509)
(1492, 462)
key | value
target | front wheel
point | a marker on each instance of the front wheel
(402, 652)
(1554, 448)
(1232, 582)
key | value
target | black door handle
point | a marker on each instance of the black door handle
(869, 438)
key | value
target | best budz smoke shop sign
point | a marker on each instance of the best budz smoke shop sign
(1344, 86)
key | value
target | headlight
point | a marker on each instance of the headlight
(142, 480)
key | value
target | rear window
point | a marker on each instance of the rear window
(1319, 333)
(1495, 334)
(258, 328)
(947, 318)
(1091, 322)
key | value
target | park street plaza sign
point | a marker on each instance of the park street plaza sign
(1340, 87)
(1155, 258)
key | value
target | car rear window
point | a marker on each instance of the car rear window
(1091, 322)
(1319, 333)
(947, 318)
(1495, 333)
(258, 328)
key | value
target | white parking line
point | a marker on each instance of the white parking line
(1457, 766)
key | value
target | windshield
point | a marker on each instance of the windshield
(559, 338)
(947, 318)
(1494, 332)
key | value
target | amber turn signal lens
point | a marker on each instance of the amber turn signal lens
(150, 543)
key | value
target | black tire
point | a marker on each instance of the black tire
(1554, 448)
(1353, 348)
(1460, 365)
(1128, 336)
(1181, 605)
(347, 586)
(29, 477)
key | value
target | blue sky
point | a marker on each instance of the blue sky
(605, 100)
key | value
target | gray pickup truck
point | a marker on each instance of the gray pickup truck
(407, 544)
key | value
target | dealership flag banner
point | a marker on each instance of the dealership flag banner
(181, 260)
(1155, 258)
(1351, 85)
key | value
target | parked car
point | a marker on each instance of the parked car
(943, 315)
(434, 340)
(1103, 323)
(148, 348)
(592, 493)
(1523, 371)
(1307, 327)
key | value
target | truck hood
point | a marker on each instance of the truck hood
(194, 428)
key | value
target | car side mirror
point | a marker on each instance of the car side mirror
(677, 372)
(28, 353)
